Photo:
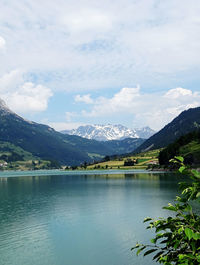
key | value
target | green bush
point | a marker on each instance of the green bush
(177, 239)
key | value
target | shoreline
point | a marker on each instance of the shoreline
(57, 172)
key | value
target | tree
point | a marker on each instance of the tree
(85, 165)
(177, 239)
(106, 158)
(129, 162)
(54, 164)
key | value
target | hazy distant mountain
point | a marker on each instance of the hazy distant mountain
(187, 121)
(110, 132)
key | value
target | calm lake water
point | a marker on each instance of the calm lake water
(79, 219)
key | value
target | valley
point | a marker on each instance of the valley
(29, 145)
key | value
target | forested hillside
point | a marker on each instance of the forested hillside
(187, 146)
(187, 121)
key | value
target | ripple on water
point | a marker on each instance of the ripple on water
(78, 220)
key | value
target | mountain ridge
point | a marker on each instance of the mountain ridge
(108, 132)
(185, 122)
(44, 142)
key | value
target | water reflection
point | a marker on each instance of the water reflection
(87, 219)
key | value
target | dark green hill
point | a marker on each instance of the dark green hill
(44, 142)
(187, 121)
(40, 140)
(187, 146)
(113, 147)
(124, 146)
(10, 152)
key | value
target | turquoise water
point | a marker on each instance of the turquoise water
(79, 219)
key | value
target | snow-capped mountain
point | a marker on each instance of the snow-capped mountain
(110, 132)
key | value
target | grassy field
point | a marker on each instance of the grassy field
(26, 165)
(143, 160)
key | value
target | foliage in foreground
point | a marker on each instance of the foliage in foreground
(177, 239)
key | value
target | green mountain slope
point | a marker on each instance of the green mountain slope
(124, 146)
(44, 142)
(10, 152)
(186, 122)
(187, 146)
(113, 147)
(40, 140)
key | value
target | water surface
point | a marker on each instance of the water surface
(79, 219)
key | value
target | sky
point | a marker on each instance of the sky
(68, 63)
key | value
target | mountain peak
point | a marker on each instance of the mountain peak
(3, 106)
(108, 132)
(4, 109)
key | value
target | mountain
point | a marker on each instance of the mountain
(124, 146)
(38, 139)
(187, 121)
(99, 149)
(109, 132)
(44, 142)
(187, 146)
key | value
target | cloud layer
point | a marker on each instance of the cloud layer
(86, 45)
(21, 96)
(84, 48)
(153, 109)
(2, 42)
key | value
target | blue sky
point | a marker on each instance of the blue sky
(67, 63)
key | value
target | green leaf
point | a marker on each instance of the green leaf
(193, 245)
(180, 230)
(188, 208)
(136, 246)
(147, 219)
(198, 195)
(140, 249)
(181, 256)
(170, 207)
(198, 258)
(176, 244)
(158, 255)
(196, 236)
(195, 173)
(150, 251)
(179, 158)
(138, 252)
(181, 169)
(188, 232)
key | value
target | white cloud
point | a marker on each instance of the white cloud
(153, 109)
(2, 42)
(60, 126)
(101, 44)
(22, 96)
(178, 93)
(87, 19)
(28, 98)
(85, 98)
(70, 115)
(124, 98)
(11, 80)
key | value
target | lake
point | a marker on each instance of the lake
(79, 218)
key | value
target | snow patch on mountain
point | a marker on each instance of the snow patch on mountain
(110, 132)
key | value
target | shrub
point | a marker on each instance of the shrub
(177, 239)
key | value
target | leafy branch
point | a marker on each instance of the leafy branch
(177, 239)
